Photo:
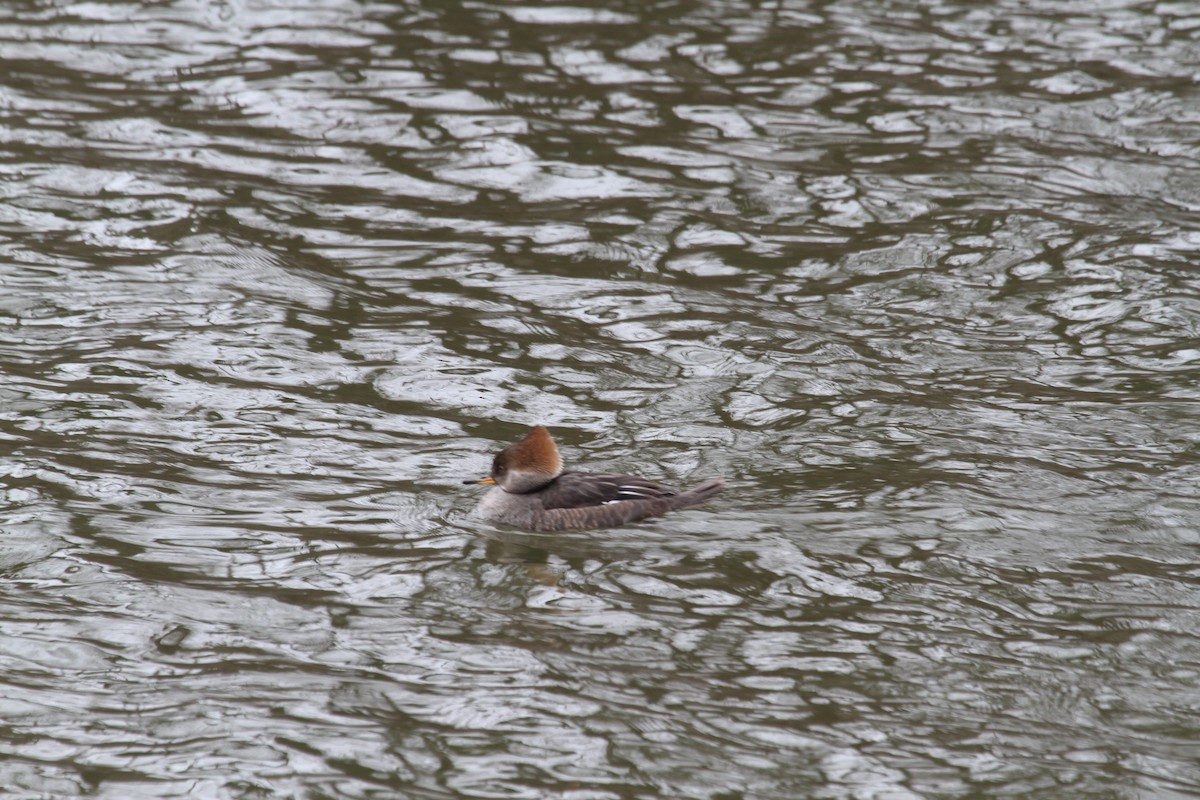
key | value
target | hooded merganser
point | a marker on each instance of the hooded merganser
(530, 490)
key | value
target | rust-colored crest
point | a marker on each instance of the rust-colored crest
(537, 452)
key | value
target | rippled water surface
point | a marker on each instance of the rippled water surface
(919, 278)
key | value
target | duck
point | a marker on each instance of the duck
(530, 490)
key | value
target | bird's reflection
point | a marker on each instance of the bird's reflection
(534, 551)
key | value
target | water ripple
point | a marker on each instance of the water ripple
(917, 280)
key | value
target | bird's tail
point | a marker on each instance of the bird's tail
(699, 494)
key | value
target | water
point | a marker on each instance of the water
(918, 278)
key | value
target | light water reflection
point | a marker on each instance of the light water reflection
(916, 277)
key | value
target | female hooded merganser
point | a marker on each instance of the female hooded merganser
(530, 490)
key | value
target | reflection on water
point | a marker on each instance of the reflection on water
(917, 278)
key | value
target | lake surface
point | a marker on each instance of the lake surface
(919, 278)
